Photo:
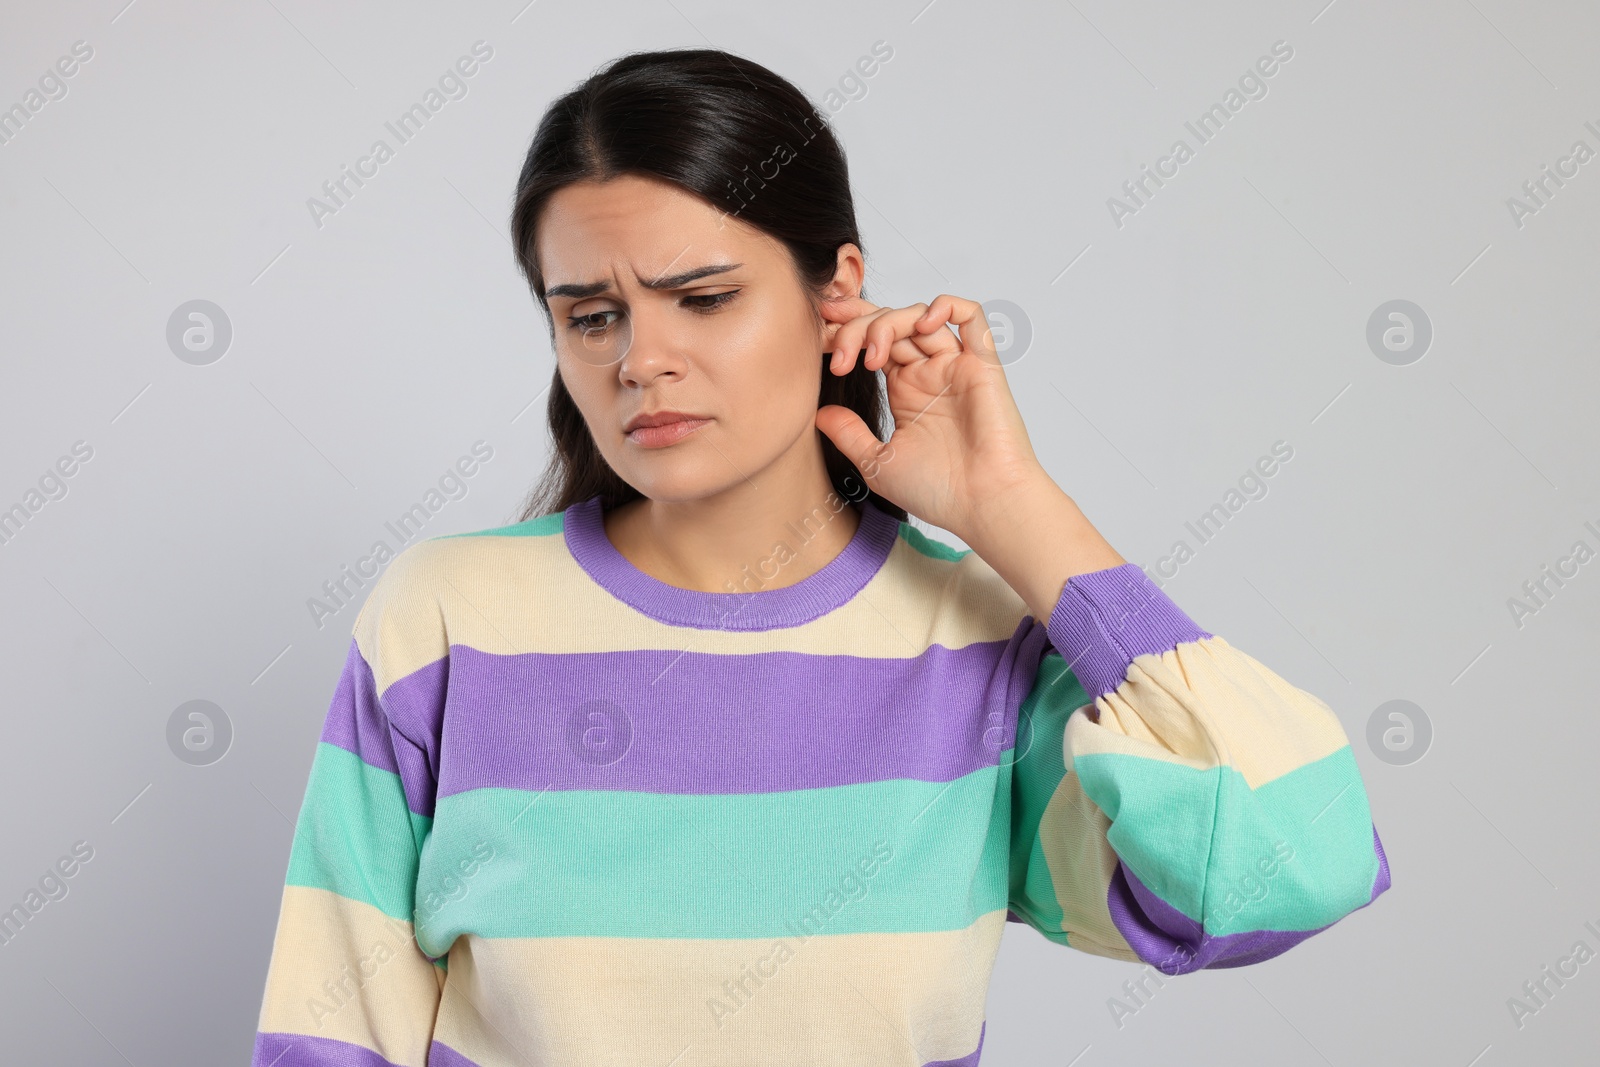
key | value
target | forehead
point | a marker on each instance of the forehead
(589, 229)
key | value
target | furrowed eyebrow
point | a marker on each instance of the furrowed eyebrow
(584, 290)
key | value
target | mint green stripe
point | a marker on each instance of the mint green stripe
(538, 526)
(586, 863)
(1162, 827)
(928, 546)
(355, 836)
(1037, 771)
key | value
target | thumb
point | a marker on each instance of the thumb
(851, 435)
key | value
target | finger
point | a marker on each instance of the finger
(878, 337)
(844, 308)
(970, 321)
(884, 331)
(849, 342)
(836, 312)
(909, 343)
(908, 350)
(942, 342)
(853, 438)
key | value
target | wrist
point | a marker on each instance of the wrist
(1036, 537)
(1014, 503)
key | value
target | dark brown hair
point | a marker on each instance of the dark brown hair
(706, 121)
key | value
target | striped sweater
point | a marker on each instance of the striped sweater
(563, 813)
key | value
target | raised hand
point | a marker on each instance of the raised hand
(958, 440)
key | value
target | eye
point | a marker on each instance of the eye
(717, 300)
(587, 324)
(595, 322)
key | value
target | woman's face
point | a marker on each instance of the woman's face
(642, 324)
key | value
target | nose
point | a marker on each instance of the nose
(652, 349)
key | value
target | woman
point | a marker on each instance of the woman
(715, 759)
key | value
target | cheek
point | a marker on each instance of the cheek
(591, 389)
(580, 383)
(776, 386)
(779, 365)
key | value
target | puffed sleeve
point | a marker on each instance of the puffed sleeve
(1174, 801)
(347, 983)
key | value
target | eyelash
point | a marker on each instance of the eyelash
(718, 300)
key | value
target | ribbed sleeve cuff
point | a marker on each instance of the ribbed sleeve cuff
(1107, 617)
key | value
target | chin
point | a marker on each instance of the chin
(677, 481)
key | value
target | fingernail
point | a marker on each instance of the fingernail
(872, 346)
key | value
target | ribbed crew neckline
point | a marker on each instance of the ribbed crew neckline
(761, 609)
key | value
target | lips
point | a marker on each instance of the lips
(661, 428)
(660, 418)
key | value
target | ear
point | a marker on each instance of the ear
(850, 271)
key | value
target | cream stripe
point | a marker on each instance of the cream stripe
(1207, 703)
(390, 991)
(852, 1000)
(1072, 831)
(527, 594)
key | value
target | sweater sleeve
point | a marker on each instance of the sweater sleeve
(1174, 801)
(347, 982)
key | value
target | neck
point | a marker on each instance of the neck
(767, 532)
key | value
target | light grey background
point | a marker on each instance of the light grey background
(1168, 355)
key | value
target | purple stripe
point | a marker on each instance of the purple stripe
(1381, 883)
(970, 1059)
(750, 607)
(416, 713)
(669, 721)
(442, 1055)
(357, 722)
(302, 1050)
(417, 776)
(415, 704)
(1173, 943)
(1108, 617)
(297, 1050)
